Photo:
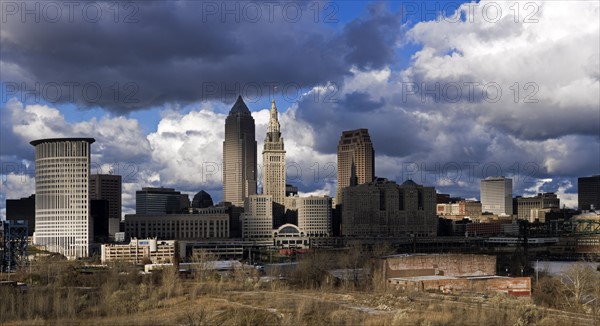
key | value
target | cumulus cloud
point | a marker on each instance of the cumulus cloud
(547, 71)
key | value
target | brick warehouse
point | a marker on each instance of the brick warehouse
(449, 273)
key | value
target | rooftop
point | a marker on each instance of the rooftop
(54, 140)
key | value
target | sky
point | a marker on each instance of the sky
(451, 92)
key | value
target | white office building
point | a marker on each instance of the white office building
(314, 214)
(496, 195)
(257, 219)
(62, 205)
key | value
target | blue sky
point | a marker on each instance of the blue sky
(388, 66)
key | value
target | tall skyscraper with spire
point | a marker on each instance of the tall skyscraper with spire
(356, 160)
(274, 164)
(239, 155)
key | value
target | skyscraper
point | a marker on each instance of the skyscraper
(239, 155)
(356, 160)
(62, 204)
(588, 193)
(496, 195)
(274, 166)
(108, 187)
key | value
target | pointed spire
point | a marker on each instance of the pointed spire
(239, 107)
(274, 111)
(273, 121)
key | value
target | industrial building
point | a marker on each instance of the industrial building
(450, 273)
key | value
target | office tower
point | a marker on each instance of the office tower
(202, 200)
(239, 155)
(149, 201)
(62, 205)
(383, 208)
(496, 195)
(274, 167)
(22, 209)
(525, 205)
(274, 160)
(108, 187)
(312, 215)
(356, 155)
(257, 219)
(588, 193)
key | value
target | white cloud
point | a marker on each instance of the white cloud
(15, 186)
(569, 200)
(187, 149)
(558, 54)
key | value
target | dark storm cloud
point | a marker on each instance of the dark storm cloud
(392, 130)
(360, 101)
(369, 40)
(156, 52)
(12, 148)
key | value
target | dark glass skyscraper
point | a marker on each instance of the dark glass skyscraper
(239, 155)
(108, 187)
(588, 193)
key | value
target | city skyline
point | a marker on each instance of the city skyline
(173, 135)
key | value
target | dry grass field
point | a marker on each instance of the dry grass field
(66, 293)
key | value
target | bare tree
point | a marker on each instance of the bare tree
(580, 283)
(203, 263)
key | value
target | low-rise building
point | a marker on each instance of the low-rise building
(202, 223)
(140, 251)
(528, 207)
(290, 236)
(450, 272)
